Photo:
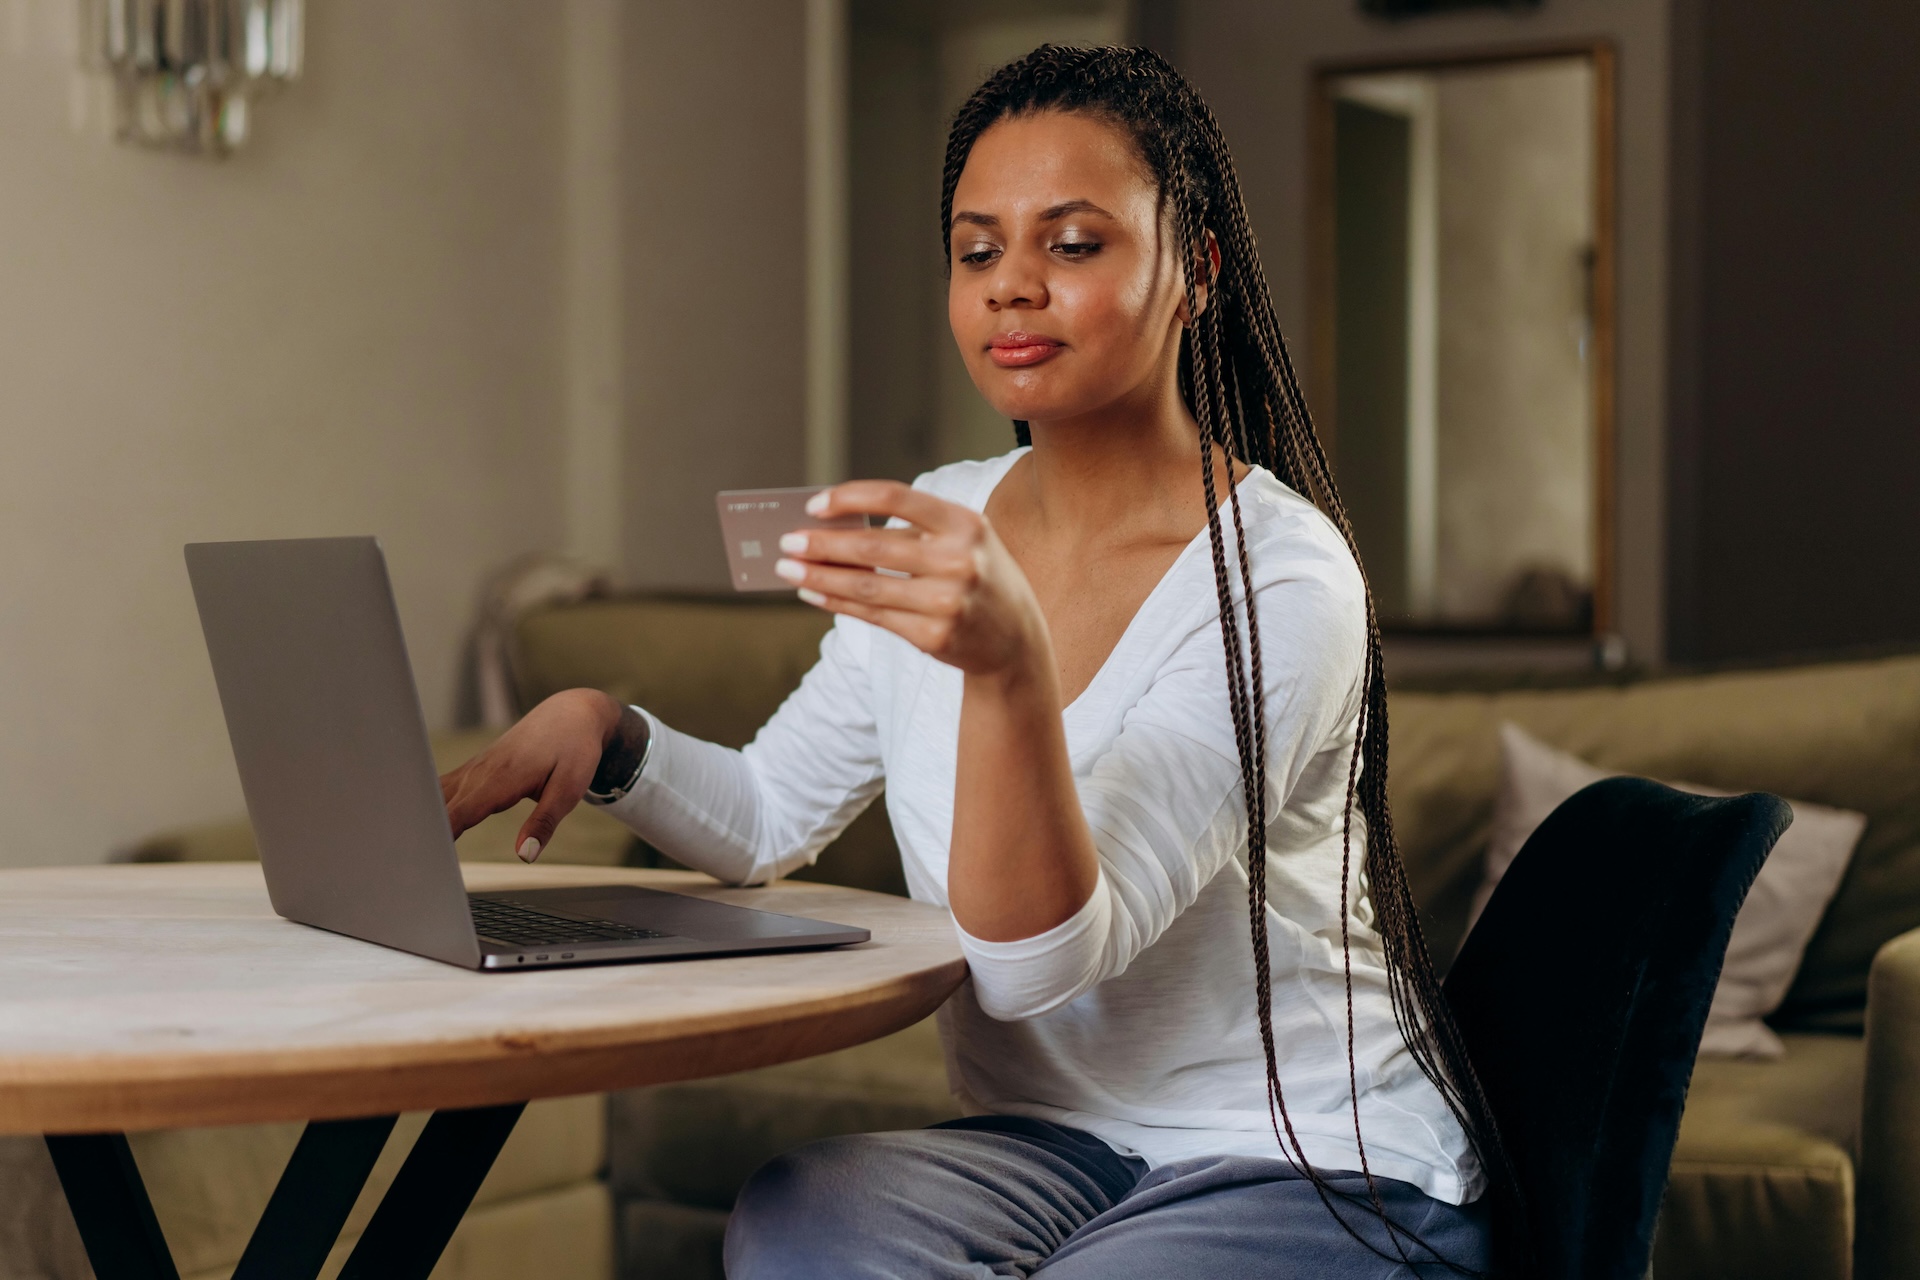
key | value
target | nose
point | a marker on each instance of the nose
(1018, 280)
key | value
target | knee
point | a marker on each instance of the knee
(793, 1216)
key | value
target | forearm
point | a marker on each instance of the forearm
(700, 804)
(719, 810)
(756, 814)
(1022, 859)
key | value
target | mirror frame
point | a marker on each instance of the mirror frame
(1321, 284)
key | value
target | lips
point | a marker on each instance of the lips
(1013, 350)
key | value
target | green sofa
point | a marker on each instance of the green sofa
(1806, 1167)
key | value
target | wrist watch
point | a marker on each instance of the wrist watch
(624, 759)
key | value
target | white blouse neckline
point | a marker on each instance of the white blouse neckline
(1149, 604)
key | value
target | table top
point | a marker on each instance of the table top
(160, 996)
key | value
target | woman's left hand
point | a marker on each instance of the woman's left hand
(963, 598)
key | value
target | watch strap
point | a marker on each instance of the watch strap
(625, 758)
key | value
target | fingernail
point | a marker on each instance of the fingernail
(811, 596)
(794, 542)
(817, 504)
(791, 570)
(529, 849)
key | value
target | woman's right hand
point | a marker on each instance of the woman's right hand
(550, 756)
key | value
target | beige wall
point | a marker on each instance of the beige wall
(714, 238)
(1253, 60)
(362, 323)
(350, 327)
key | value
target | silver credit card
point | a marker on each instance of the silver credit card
(752, 520)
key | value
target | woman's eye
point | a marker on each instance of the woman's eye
(977, 257)
(1077, 248)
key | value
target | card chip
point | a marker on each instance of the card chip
(752, 522)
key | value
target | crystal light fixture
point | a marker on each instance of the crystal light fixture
(185, 72)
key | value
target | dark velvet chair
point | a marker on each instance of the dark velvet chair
(1582, 994)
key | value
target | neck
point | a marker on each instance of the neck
(1128, 464)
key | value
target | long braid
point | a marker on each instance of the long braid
(1239, 381)
(1210, 365)
(1308, 462)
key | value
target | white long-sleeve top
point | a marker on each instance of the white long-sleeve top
(1134, 1019)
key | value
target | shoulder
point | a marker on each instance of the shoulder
(968, 483)
(1308, 589)
(1291, 541)
(1310, 602)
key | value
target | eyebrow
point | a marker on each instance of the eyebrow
(1052, 213)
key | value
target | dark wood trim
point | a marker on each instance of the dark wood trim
(1468, 56)
(1478, 631)
(1322, 320)
(1602, 363)
(1605, 336)
(1683, 626)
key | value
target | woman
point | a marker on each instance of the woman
(1080, 743)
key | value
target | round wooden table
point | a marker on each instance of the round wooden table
(161, 996)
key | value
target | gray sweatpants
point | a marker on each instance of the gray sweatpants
(1004, 1196)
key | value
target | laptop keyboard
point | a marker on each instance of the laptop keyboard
(519, 926)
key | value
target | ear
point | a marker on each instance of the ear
(1203, 287)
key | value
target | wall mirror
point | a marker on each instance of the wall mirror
(1463, 333)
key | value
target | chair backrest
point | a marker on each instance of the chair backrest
(1582, 994)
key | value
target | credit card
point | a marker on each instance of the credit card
(752, 520)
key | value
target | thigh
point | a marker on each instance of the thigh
(1236, 1218)
(969, 1201)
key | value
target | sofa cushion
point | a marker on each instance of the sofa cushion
(542, 1199)
(1762, 1184)
(1846, 735)
(713, 667)
(209, 1186)
(660, 1240)
(563, 1234)
(1781, 911)
(38, 1240)
(697, 1142)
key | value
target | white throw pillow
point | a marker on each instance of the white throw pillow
(1774, 925)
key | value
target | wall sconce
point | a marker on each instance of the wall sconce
(185, 72)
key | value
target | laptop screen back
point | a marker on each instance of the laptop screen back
(330, 742)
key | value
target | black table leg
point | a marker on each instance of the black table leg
(110, 1206)
(316, 1193)
(324, 1177)
(411, 1227)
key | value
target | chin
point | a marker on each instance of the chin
(1032, 403)
(1023, 412)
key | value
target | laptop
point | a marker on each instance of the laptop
(340, 784)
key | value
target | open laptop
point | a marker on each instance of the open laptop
(332, 748)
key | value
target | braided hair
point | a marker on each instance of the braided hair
(1239, 383)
